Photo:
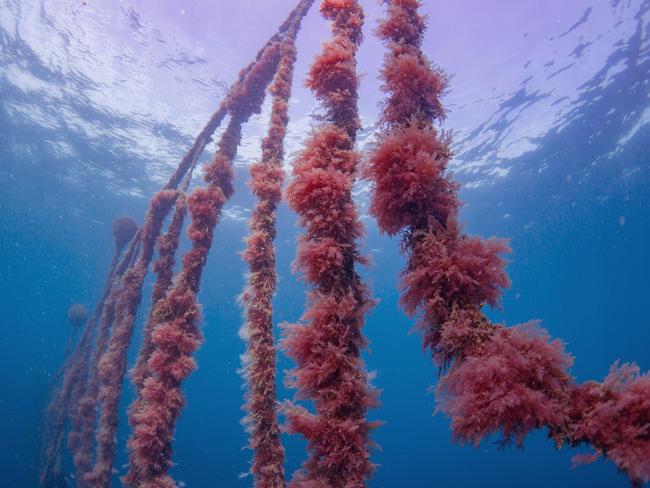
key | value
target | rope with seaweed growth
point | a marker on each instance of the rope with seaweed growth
(327, 348)
(74, 373)
(495, 379)
(127, 299)
(259, 366)
(164, 268)
(65, 398)
(177, 335)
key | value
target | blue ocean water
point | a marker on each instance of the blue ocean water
(550, 105)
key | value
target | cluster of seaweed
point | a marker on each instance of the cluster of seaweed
(494, 379)
(327, 348)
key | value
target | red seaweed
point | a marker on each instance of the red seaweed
(514, 382)
(74, 373)
(65, 398)
(77, 315)
(112, 363)
(328, 344)
(496, 380)
(177, 336)
(614, 418)
(166, 246)
(76, 399)
(124, 228)
(259, 366)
